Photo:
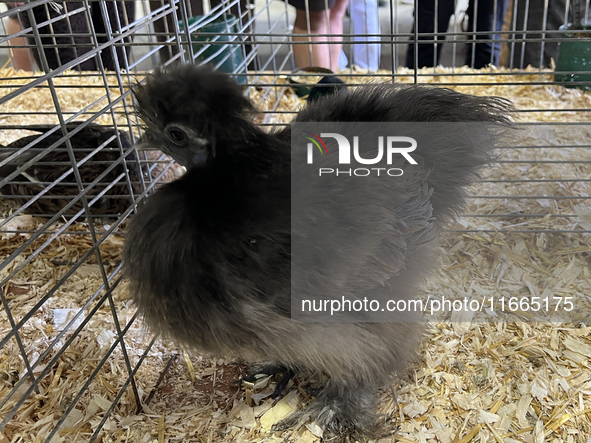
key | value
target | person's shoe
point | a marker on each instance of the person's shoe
(382, 3)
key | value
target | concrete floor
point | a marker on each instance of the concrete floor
(275, 18)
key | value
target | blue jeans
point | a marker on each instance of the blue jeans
(478, 55)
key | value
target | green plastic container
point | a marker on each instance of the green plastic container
(226, 57)
(574, 54)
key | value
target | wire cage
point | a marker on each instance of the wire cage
(76, 364)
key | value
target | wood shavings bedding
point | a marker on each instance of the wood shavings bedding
(36, 106)
(474, 381)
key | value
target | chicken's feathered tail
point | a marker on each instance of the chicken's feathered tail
(451, 158)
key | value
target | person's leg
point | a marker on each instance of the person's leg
(118, 15)
(20, 56)
(500, 13)
(479, 55)
(364, 16)
(314, 54)
(426, 24)
(336, 16)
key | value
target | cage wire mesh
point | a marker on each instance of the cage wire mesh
(76, 364)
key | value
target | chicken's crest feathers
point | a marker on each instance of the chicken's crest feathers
(191, 94)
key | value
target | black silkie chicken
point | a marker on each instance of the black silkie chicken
(208, 256)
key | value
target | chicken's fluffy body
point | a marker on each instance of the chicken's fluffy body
(208, 256)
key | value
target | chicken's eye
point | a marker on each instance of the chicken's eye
(177, 135)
